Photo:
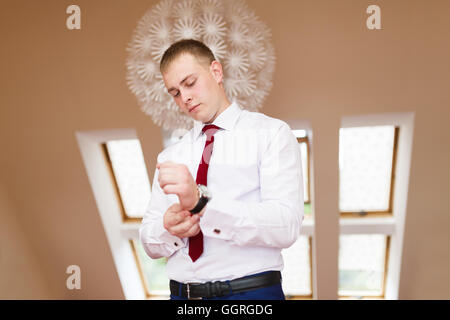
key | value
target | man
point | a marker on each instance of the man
(228, 196)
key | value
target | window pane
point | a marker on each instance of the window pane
(297, 268)
(153, 270)
(305, 169)
(307, 209)
(365, 167)
(362, 264)
(302, 138)
(129, 169)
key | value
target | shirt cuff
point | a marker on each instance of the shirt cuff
(216, 223)
(174, 243)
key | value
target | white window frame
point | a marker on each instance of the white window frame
(117, 231)
(307, 228)
(391, 226)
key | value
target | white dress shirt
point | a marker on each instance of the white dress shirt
(255, 178)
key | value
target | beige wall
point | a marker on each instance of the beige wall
(21, 275)
(55, 82)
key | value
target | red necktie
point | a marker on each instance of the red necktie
(196, 242)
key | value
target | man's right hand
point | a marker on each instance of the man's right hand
(181, 223)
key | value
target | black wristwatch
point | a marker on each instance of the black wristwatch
(205, 196)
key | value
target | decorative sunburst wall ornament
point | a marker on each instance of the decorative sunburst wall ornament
(236, 36)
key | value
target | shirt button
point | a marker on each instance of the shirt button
(217, 231)
(176, 244)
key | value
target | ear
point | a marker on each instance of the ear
(217, 71)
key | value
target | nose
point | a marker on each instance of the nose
(186, 97)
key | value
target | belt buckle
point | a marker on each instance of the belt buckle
(188, 291)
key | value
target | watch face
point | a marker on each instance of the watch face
(204, 192)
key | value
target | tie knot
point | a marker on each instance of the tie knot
(210, 130)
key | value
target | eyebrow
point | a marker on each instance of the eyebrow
(181, 82)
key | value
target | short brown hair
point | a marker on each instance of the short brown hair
(196, 48)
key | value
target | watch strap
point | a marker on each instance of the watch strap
(200, 205)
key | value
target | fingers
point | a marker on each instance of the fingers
(170, 173)
(185, 225)
(167, 178)
(179, 217)
(173, 216)
(188, 226)
(178, 169)
(175, 208)
(192, 231)
(200, 214)
(166, 164)
(176, 179)
(171, 189)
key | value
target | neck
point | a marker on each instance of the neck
(224, 105)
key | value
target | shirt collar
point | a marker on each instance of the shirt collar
(226, 120)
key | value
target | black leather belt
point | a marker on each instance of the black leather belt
(222, 288)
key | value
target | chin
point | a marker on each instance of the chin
(199, 117)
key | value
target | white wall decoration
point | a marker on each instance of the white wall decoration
(237, 37)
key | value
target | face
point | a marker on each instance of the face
(195, 87)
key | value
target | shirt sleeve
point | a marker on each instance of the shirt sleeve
(276, 220)
(156, 240)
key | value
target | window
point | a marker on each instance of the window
(362, 265)
(152, 272)
(367, 166)
(297, 272)
(129, 175)
(366, 170)
(303, 142)
(107, 155)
